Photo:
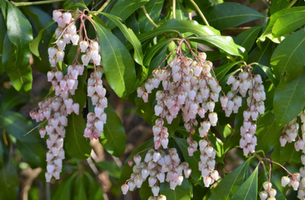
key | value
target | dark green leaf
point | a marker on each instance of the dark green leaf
(117, 62)
(191, 160)
(248, 190)
(269, 73)
(130, 36)
(153, 8)
(75, 144)
(267, 133)
(288, 154)
(34, 44)
(247, 38)
(221, 71)
(3, 7)
(278, 5)
(110, 167)
(230, 183)
(19, 31)
(288, 23)
(225, 43)
(21, 76)
(114, 137)
(33, 153)
(227, 15)
(16, 125)
(80, 189)
(181, 13)
(273, 18)
(2, 35)
(262, 55)
(124, 8)
(145, 191)
(182, 192)
(9, 182)
(181, 26)
(12, 99)
(64, 189)
(289, 100)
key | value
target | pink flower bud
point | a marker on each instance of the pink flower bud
(124, 189)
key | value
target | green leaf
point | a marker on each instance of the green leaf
(64, 188)
(2, 35)
(247, 38)
(33, 153)
(145, 191)
(9, 182)
(34, 44)
(289, 100)
(288, 23)
(153, 8)
(267, 133)
(221, 71)
(288, 154)
(124, 8)
(191, 160)
(21, 76)
(278, 5)
(182, 192)
(273, 18)
(111, 167)
(269, 73)
(79, 185)
(287, 59)
(181, 13)
(117, 62)
(3, 7)
(262, 54)
(230, 183)
(228, 15)
(130, 36)
(16, 125)
(114, 137)
(12, 99)
(181, 26)
(225, 43)
(75, 144)
(19, 31)
(248, 190)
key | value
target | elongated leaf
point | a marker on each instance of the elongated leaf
(64, 189)
(227, 15)
(267, 133)
(16, 125)
(182, 192)
(225, 43)
(181, 13)
(288, 23)
(19, 31)
(9, 182)
(248, 190)
(2, 35)
(288, 154)
(12, 99)
(269, 73)
(289, 100)
(76, 145)
(3, 7)
(21, 76)
(247, 38)
(273, 18)
(153, 8)
(34, 44)
(118, 64)
(110, 167)
(181, 26)
(263, 54)
(124, 8)
(145, 191)
(221, 71)
(130, 36)
(231, 183)
(33, 153)
(191, 160)
(278, 5)
(79, 185)
(114, 137)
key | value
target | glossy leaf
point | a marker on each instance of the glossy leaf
(225, 43)
(16, 125)
(153, 8)
(289, 100)
(269, 73)
(228, 15)
(262, 54)
(34, 44)
(114, 137)
(248, 190)
(191, 160)
(75, 144)
(21, 76)
(181, 13)
(181, 26)
(130, 36)
(19, 31)
(110, 167)
(247, 38)
(182, 192)
(124, 8)
(117, 62)
(267, 133)
(9, 182)
(289, 23)
(278, 5)
(230, 183)
(221, 71)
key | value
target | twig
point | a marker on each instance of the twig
(200, 13)
(174, 9)
(291, 4)
(104, 6)
(148, 17)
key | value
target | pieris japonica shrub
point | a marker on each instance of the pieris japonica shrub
(224, 102)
